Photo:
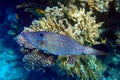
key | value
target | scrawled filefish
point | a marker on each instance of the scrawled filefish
(57, 44)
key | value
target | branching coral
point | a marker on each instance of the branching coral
(85, 29)
(96, 5)
(101, 6)
(82, 66)
(78, 24)
(70, 21)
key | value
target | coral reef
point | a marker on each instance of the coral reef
(116, 73)
(23, 42)
(88, 22)
(113, 61)
(83, 66)
(34, 58)
(37, 61)
(95, 5)
(78, 24)
(100, 6)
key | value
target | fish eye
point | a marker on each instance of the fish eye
(41, 43)
(41, 34)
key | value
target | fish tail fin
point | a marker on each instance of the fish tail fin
(97, 52)
(89, 50)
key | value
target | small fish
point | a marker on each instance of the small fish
(40, 11)
(57, 44)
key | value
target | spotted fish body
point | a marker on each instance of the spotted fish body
(57, 44)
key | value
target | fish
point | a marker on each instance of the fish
(58, 44)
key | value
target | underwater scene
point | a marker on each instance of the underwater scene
(59, 39)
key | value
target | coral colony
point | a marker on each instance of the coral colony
(60, 27)
(82, 28)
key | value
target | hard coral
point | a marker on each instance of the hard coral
(101, 6)
(71, 21)
(78, 24)
(36, 61)
(84, 66)
(96, 5)
(23, 42)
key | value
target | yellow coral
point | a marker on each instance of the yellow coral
(96, 5)
(81, 26)
(84, 67)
